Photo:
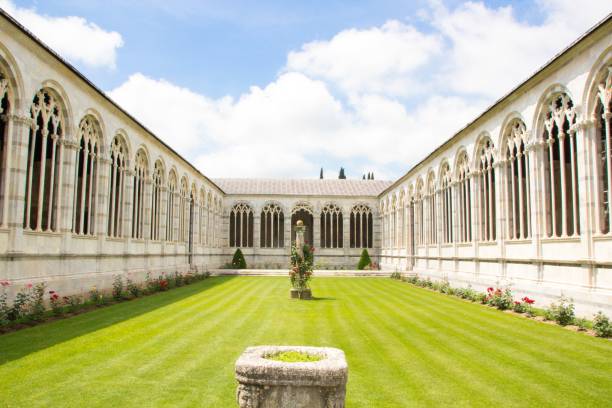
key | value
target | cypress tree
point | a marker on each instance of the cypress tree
(364, 260)
(321, 174)
(238, 261)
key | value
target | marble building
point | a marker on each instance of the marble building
(520, 196)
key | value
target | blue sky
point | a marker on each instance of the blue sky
(355, 83)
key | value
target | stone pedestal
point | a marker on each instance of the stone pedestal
(301, 294)
(264, 383)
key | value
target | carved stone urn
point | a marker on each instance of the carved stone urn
(267, 383)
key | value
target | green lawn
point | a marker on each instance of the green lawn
(405, 346)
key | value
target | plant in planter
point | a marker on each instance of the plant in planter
(302, 260)
(238, 261)
(364, 261)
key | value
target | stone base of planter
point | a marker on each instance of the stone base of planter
(264, 383)
(301, 294)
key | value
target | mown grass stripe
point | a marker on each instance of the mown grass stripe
(406, 346)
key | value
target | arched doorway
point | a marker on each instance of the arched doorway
(302, 212)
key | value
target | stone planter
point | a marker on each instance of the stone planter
(301, 294)
(264, 383)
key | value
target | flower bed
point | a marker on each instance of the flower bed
(29, 307)
(560, 312)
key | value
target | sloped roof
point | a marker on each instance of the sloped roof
(304, 187)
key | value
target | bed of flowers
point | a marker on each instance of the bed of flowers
(560, 312)
(34, 304)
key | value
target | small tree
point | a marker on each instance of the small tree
(238, 261)
(364, 260)
(342, 176)
(321, 174)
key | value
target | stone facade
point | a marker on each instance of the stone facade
(520, 196)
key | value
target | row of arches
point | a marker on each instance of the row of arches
(102, 189)
(272, 226)
(463, 203)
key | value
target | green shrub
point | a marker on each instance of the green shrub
(38, 302)
(238, 261)
(117, 287)
(364, 261)
(501, 299)
(72, 302)
(132, 288)
(602, 325)
(396, 275)
(582, 323)
(413, 279)
(561, 311)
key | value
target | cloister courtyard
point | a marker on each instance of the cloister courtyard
(405, 346)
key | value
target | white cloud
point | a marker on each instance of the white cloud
(490, 51)
(378, 59)
(375, 99)
(72, 37)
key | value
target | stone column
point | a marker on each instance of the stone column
(128, 195)
(346, 237)
(67, 149)
(102, 196)
(316, 229)
(147, 196)
(19, 126)
(257, 227)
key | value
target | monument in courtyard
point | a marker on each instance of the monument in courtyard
(302, 256)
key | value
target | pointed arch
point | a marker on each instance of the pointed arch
(118, 154)
(171, 207)
(88, 153)
(517, 178)
(464, 197)
(141, 173)
(484, 158)
(45, 151)
(599, 105)
(241, 225)
(429, 197)
(361, 226)
(331, 226)
(272, 226)
(446, 202)
(157, 187)
(560, 194)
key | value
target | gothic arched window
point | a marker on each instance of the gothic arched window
(446, 204)
(560, 168)
(86, 178)
(141, 165)
(430, 200)
(118, 163)
(486, 191)
(331, 226)
(361, 226)
(517, 183)
(272, 227)
(5, 110)
(156, 198)
(44, 154)
(241, 226)
(464, 199)
(603, 113)
(171, 211)
(183, 214)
